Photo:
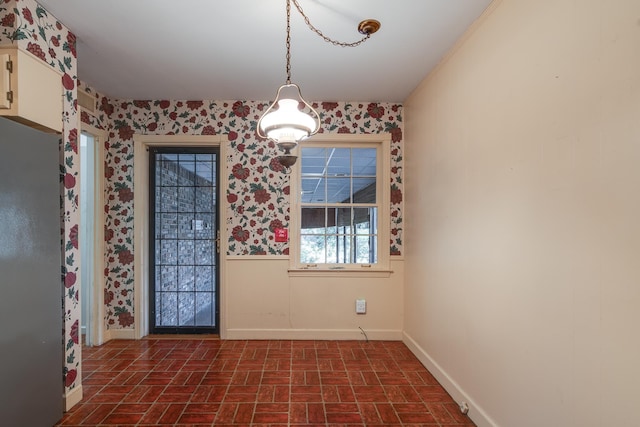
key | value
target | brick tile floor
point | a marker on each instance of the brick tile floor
(204, 382)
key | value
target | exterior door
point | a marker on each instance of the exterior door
(183, 230)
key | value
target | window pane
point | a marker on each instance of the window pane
(364, 190)
(204, 199)
(343, 220)
(331, 221)
(204, 308)
(204, 278)
(344, 249)
(362, 221)
(365, 249)
(313, 161)
(312, 249)
(186, 278)
(186, 171)
(339, 162)
(168, 200)
(312, 190)
(186, 304)
(186, 199)
(167, 278)
(364, 162)
(204, 226)
(169, 309)
(338, 190)
(204, 170)
(313, 220)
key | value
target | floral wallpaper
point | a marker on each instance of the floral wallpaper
(257, 194)
(29, 26)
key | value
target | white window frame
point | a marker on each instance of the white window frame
(382, 142)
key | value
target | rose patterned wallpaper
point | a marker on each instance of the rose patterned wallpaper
(29, 26)
(257, 194)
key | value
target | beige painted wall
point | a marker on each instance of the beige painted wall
(523, 203)
(261, 301)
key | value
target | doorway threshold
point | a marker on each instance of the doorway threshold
(214, 337)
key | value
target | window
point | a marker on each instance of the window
(341, 210)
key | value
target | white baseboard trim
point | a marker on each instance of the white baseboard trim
(119, 334)
(72, 397)
(476, 413)
(313, 334)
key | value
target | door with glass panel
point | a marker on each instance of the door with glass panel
(183, 228)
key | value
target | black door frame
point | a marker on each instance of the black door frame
(178, 149)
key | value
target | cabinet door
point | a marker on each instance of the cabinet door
(31, 341)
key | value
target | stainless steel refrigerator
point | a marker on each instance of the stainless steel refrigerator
(31, 335)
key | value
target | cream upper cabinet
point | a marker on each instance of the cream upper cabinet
(30, 90)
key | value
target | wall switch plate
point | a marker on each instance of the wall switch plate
(361, 306)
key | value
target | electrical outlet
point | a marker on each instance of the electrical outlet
(361, 306)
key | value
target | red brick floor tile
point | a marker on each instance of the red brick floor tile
(410, 394)
(344, 417)
(132, 408)
(107, 397)
(151, 394)
(433, 393)
(201, 408)
(330, 393)
(99, 414)
(306, 393)
(155, 412)
(226, 413)
(335, 378)
(276, 377)
(346, 393)
(266, 394)
(440, 413)
(369, 413)
(316, 413)
(298, 413)
(217, 394)
(282, 393)
(201, 393)
(270, 418)
(120, 419)
(370, 378)
(387, 413)
(341, 407)
(172, 413)
(244, 414)
(369, 393)
(272, 407)
(414, 413)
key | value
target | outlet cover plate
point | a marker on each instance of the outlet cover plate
(361, 306)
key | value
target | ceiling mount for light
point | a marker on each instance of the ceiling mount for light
(368, 26)
(290, 119)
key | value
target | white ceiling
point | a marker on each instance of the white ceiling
(235, 49)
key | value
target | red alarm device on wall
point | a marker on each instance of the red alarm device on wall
(281, 234)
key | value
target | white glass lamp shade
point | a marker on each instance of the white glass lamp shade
(287, 123)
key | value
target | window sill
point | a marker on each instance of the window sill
(338, 272)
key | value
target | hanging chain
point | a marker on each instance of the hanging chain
(318, 32)
(289, 41)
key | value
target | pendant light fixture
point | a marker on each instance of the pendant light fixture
(290, 119)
